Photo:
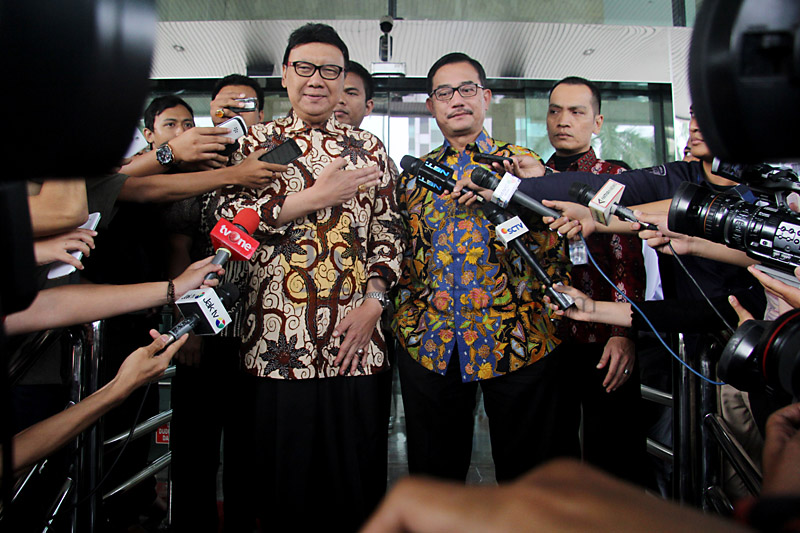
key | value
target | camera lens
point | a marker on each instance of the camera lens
(766, 232)
(762, 352)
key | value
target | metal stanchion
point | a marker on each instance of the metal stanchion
(710, 462)
(741, 462)
(683, 423)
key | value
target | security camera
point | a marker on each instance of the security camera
(387, 23)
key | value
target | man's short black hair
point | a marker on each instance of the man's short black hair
(455, 57)
(577, 80)
(315, 33)
(238, 79)
(359, 70)
(159, 105)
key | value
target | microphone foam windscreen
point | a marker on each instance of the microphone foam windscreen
(410, 164)
(248, 219)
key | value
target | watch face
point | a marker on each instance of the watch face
(164, 155)
(383, 300)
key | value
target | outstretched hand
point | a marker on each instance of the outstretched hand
(253, 173)
(146, 363)
(194, 276)
(576, 219)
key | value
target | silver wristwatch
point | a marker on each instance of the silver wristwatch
(380, 296)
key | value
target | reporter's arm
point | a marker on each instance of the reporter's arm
(77, 304)
(195, 146)
(60, 206)
(251, 173)
(688, 245)
(44, 438)
(588, 310)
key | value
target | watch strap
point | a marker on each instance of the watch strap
(380, 296)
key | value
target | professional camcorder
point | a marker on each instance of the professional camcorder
(767, 229)
(760, 353)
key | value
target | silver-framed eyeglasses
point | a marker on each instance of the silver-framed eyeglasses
(306, 70)
(466, 90)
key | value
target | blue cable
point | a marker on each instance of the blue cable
(652, 327)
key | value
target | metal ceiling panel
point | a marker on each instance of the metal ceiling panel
(210, 49)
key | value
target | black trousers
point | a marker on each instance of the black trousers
(316, 449)
(204, 406)
(530, 421)
(614, 432)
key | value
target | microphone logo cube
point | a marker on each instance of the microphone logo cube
(510, 230)
(204, 302)
(226, 235)
(604, 201)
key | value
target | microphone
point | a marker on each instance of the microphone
(439, 179)
(508, 192)
(429, 173)
(507, 229)
(605, 202)
(233, 240)
(204, 311)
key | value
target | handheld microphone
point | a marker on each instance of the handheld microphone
(487, 180)
(232, 240)
(204, 311)
(439, 179)
(507, 230)
(605, 202)
(430, 174)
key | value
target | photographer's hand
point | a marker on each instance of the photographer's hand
(743, 314)
(787, 293)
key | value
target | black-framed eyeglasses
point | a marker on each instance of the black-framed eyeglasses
(306, 70)
(466, 90)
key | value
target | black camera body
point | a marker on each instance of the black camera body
(760, 354)
(766, 230)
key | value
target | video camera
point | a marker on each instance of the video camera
(767, 229)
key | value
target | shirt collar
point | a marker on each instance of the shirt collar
(295, 124)
(586, 161)
(483, 143)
